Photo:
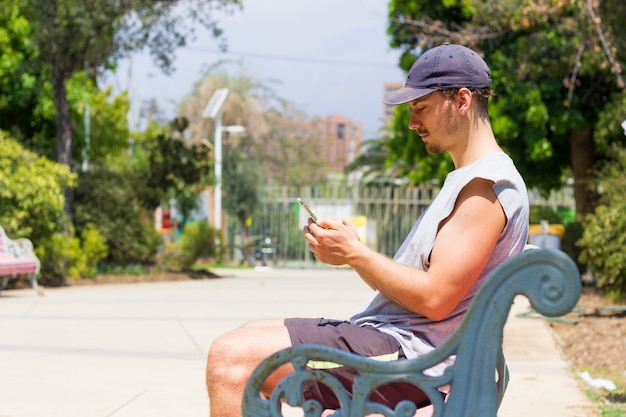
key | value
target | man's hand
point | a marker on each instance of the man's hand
(332, 241)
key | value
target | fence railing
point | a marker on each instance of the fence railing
(384, 212)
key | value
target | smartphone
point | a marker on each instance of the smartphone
(308, 210)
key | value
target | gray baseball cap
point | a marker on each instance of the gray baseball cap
(444, 67)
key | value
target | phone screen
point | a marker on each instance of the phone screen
(308, 210)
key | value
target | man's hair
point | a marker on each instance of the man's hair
(480, 95)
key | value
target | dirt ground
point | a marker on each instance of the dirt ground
(154, 277)
(593, 339)
(594, 335)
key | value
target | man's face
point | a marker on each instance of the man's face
(436, 119)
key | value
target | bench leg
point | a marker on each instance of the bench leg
(35, 284)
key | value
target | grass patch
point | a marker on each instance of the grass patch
(611, 403)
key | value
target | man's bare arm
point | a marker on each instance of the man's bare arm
(462, 248)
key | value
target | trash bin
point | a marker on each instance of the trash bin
(545, 235)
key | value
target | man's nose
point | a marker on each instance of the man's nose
(414, 123)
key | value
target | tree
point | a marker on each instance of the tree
(555, 70)
(373, 161)
(291, 150)
(408, 155)
(106, 200)
(26, 105)
(26, 110)
(278, 144)
(561, 77)
(108, 132)
(119, 192)
(245, 106)
(178, 169)
(241, 187)
(75, 36)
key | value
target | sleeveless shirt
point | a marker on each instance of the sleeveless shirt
(418, 334)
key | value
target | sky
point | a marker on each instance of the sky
(325, 56)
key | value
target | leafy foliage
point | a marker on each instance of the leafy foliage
(198, 240)
(277, 133)
(26, 97)
(69, 37)
(26, 107)
(409, 155)
(555, 73)
(604, 235)
(278, 144)
(86, 252)
(241, 180)
(56, 257)
(107, 200)
(31, 192)
(118, 197)
(539, 213)
(135, 164)
(108, 128)
(179, 170)
(291, 150)
(246, 105)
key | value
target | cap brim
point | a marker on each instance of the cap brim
(406, 94)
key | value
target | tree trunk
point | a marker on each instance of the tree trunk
(581, 148)
(63, 122)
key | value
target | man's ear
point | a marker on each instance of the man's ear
(465, 100)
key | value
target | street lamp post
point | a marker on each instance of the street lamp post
(213, 110)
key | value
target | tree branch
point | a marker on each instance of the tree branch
(572, 78)
(438, 33)
(616, 68)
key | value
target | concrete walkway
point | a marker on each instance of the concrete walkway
(139, 350)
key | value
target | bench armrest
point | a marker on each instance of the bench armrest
(550, 280)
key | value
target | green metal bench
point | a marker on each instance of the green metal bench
(478, 378)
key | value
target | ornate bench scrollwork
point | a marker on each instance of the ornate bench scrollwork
(548, 278)
(17, 258)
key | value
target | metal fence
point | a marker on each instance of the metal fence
(384, 212)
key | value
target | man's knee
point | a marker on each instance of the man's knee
(234, 356)
(224, 361)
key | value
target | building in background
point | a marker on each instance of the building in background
(339, 139)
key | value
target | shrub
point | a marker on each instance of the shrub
(31, 193)
(197, 241)
(604, 237)
(569, 242)
(538, 213)
(108, 200)
(65, 255)
(602, 246)
(86, 252)
(55, 256)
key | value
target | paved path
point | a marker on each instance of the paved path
(139, 350)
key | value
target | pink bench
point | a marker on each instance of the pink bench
(17, 258)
